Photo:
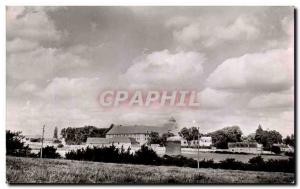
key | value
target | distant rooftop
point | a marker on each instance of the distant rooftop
(137, 129)
(120, 139)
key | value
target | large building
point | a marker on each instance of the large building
(118, 141)
(140, 132)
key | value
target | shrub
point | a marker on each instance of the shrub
(49, 152)
(292, 154)
(35, 140)
(56, 141)
(147, 156)
(275, 149)
(258, 160)
(231, 163)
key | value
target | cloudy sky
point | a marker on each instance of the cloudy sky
(239, 58)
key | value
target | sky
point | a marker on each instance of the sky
(240, 59)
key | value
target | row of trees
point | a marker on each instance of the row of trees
(222, 137)
(79, 135)
(147, 156)
(267, 138)
(155, 138)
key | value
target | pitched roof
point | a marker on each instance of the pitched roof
(96, 140)
(137, 129)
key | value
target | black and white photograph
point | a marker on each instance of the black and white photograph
(150, 95)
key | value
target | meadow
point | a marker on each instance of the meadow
(28, 170)
(217, 157)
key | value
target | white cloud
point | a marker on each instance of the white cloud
(209, 33)
(70, 86)
(269, 71)
(211, 98)
(165, 69)
(273, 100)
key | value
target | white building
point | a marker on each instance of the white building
(203, 142)
(245, 147)
(118, 141)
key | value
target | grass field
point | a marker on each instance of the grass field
(28, 170)
(217, 157)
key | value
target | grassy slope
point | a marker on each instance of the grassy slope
(27, 170)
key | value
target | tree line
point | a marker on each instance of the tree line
(77, 136)
(145, 155)
(221, 137)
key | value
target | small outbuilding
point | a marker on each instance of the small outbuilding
(173, 146)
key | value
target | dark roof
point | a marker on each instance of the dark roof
(96, 140)
(137, 129)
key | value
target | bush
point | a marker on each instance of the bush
(148, 157)
(49, 152)
(56, 141)
(292, 154)
(258, 160)
(35, 140)
(275, 149)
(231, 163)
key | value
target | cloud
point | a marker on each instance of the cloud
(42, 63)
(211, 98)
(30, 24)
(165, 69)
(20, 45)
(71, 87)
(273, 100)
(210, 33)
(26, 87)
(268, 71)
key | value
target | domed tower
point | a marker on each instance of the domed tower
(172, 126)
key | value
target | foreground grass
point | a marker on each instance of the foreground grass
(28, 170)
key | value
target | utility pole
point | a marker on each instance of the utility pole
(198, 152)
(198, 145)
(42, 141)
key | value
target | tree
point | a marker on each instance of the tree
(276, 149)
(189, 134)
(15, 146)
(79, 135)
(55, 133)
(154, 138)
(269, 138)
(289, 140)
(49, 152)
(220, 138)
(184, 133)
(258, 134)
